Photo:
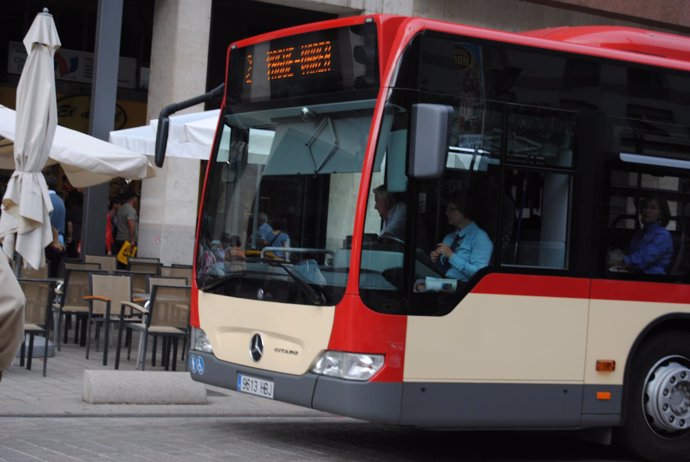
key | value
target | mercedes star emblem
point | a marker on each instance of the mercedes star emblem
(256, 347)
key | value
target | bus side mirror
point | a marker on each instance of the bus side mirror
(429, 140)
(164, 119)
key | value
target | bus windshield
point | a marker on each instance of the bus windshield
(280, 202)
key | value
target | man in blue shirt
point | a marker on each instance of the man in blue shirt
(56, 249)
(466, 250)
(264, 232)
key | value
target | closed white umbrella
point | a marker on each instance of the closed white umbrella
(26, 204)
(86, 160)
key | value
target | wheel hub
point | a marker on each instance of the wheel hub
(668, 397)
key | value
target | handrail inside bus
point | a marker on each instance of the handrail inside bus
(654, 160)
(295, 250)
(164, 119)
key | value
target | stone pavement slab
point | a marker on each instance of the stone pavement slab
(141, 387)
(28, 393)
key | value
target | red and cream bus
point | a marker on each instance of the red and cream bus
(558, 136)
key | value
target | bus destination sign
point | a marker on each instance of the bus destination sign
(312, 63)
(297, 61)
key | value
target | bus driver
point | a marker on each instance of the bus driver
(463, 251)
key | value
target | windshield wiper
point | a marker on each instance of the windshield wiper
(317, 298)
(335, 144)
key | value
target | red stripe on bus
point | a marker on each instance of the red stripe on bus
(533, 285)
(639, 291)
(359, 329)
(569, 287)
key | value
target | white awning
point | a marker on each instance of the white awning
(86, 160)
(190, 135)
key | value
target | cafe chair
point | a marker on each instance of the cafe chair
(141, 269)
(39, 295)
(166, 315)
(146, 259)
(144, 265)
(30, 273)
(144, 297)
(178, 272)
(107, 293)
(163, 281)
(108, 263)
(70, 301)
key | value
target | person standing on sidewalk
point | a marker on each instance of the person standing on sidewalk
(111, 224)
(12, 302)
(55, 251)
(74, 203)
(127, 224)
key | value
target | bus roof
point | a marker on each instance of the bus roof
(610, 42)
(628, 39)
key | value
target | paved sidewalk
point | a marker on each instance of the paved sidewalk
(28, 393)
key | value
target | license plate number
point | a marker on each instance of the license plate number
(254, 386)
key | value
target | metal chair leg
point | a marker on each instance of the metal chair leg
(174, 358)
(30, 352)
(22, 352)
(45, 349)
(88, 334)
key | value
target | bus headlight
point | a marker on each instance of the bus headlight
(348, 366)
(199, 341)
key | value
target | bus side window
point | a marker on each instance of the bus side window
(539, 231)
(641, 204)
(540, 161)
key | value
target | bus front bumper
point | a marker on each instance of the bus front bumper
(373, 401)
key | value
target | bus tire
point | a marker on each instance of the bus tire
(657, 403)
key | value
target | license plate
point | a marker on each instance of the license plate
(254, 386)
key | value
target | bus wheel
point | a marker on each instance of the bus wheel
(657, 405)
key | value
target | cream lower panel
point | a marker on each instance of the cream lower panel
(293, 335)
(500, 338)
(613, 328)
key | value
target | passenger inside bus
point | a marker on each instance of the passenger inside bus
(462, 252)
(213, 259)
(278, 237)
(393, 213)
(264, 232)
(223, 256)
(234, 259)
(651, 249)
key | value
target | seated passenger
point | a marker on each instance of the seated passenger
(214, 255)
(462, 252)
(234, 258)
(650, 250)
(392, 212)
(264, 232)
(278, 238)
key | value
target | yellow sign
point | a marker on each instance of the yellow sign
(462, 58)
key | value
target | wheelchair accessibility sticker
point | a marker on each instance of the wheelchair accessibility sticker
(196, 364)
